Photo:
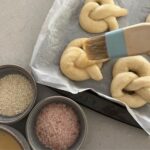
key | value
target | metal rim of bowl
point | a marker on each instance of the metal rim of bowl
(17, 135)
(20, 116)
(49, 100)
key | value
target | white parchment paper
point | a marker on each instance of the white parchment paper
(60, 27)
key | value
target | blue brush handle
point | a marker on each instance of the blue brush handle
(115, 43)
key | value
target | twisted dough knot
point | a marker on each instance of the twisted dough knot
(131, 81)
(75, 64)
(100, 15)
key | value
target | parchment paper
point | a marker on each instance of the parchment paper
(60, 27)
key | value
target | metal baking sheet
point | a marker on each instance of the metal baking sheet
(88, 99)
(60, 27)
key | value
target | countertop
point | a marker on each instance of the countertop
(20, 23)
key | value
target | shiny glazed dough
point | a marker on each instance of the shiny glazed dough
(76, 66)
(131, 81)
(100, 15)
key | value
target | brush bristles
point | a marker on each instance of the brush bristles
(96, 48)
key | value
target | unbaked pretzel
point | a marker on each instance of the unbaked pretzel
(100, 15)
(131, 81)
(75, 64)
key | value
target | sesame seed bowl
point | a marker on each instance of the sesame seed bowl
(16, 135)
(56, 118)
(18, 93)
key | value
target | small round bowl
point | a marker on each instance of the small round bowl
(12, 69)
(17, 135)
(30, 126)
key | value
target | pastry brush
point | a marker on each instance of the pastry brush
(128, 41)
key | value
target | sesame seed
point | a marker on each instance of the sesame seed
(16, 93)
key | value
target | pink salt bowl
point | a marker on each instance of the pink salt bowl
(31, 122)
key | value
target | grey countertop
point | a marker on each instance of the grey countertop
(20, 23)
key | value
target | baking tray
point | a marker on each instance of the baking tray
(88, 99)
(60, 27)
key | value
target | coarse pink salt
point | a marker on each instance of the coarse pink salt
(57, 126)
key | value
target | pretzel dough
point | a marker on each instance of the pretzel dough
(100, 15)
(137, 64)
(131, 81)
(75, 64)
